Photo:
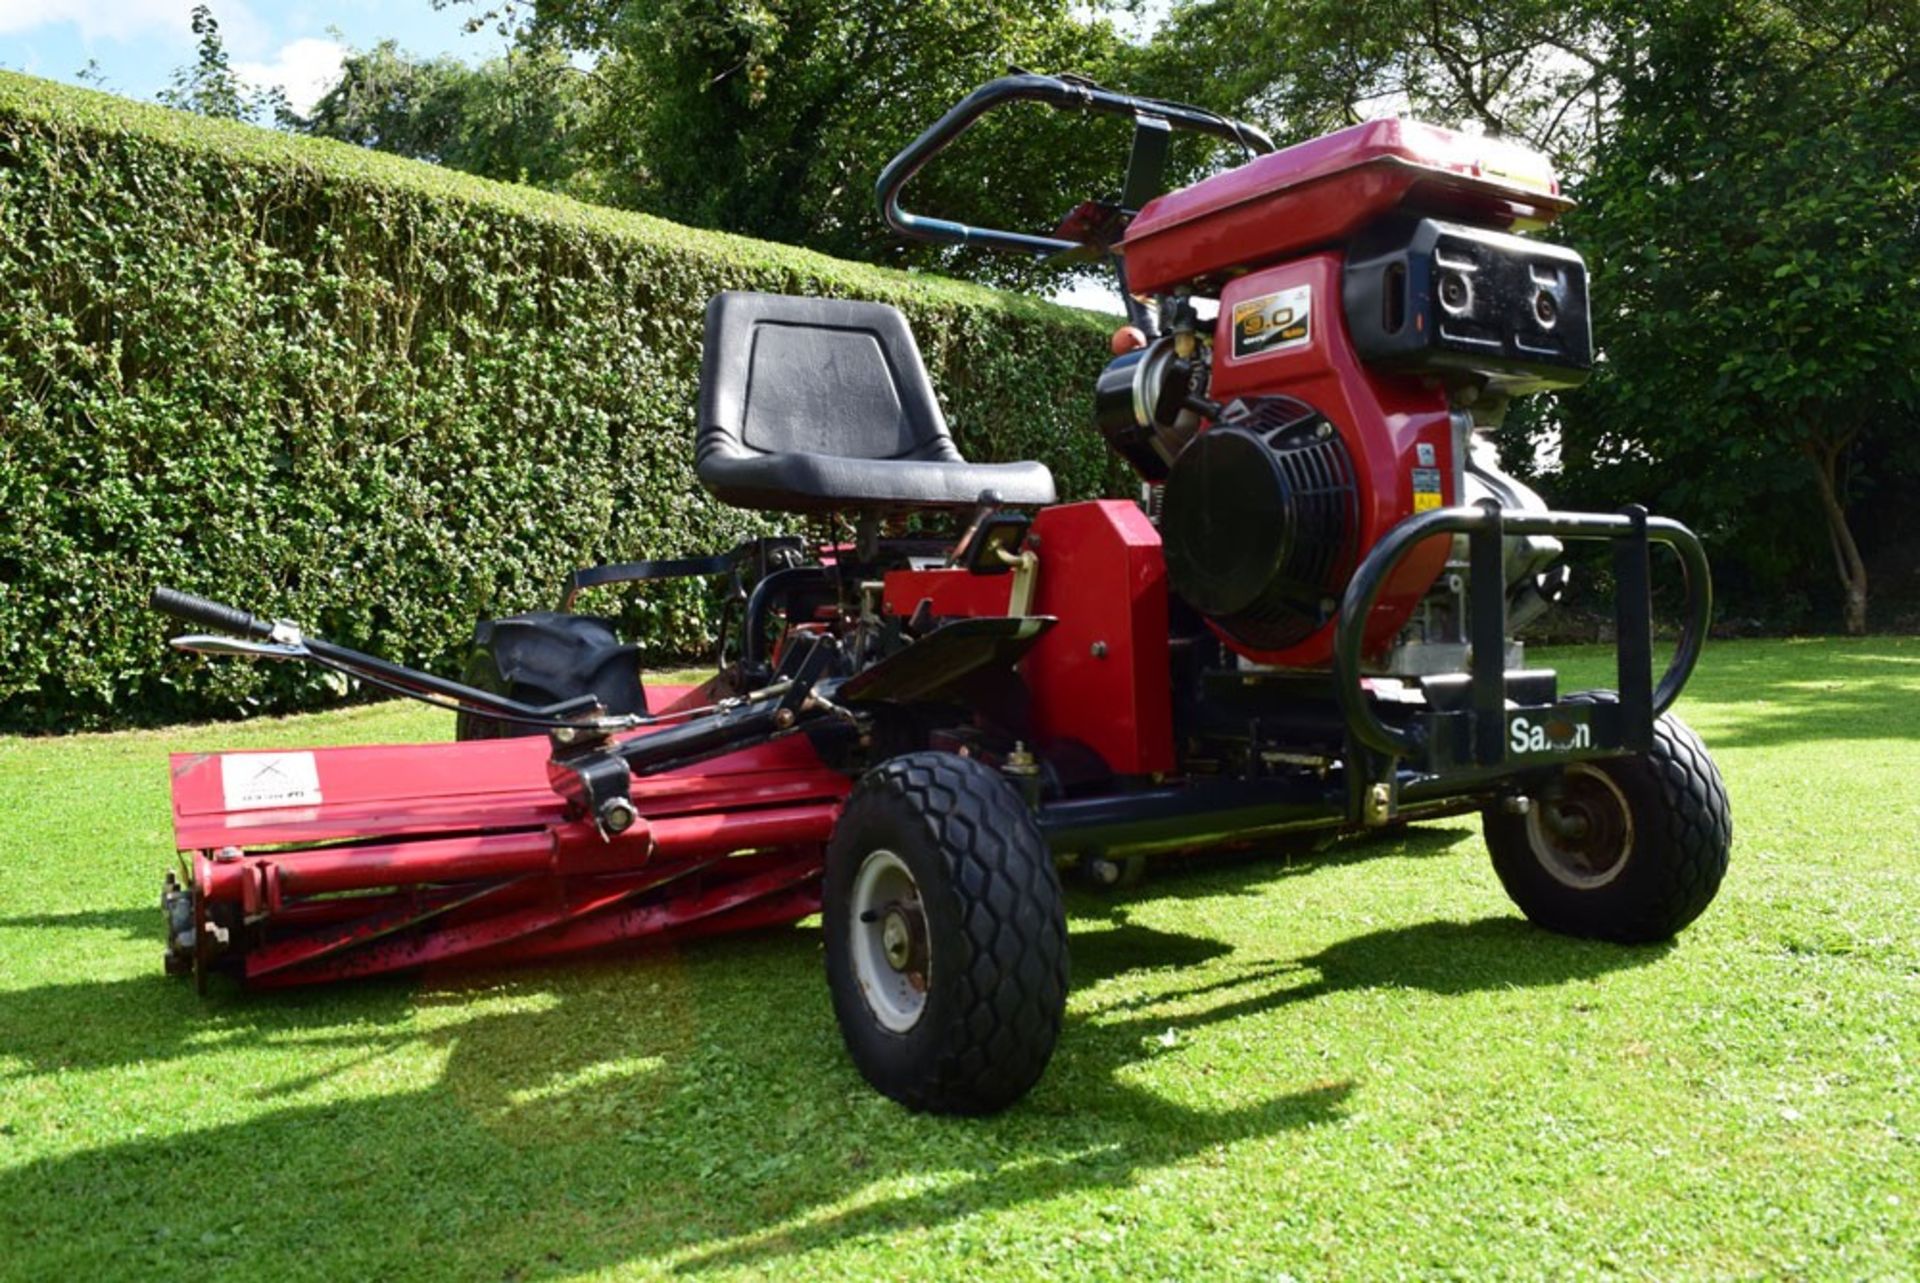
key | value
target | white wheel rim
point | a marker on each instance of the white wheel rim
(1590, 862)
(887, 935)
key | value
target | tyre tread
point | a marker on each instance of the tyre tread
(1691, 840)
(999, 1036)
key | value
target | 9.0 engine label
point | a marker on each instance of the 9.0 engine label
(1273, 322)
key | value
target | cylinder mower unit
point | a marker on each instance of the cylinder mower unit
(944, 687)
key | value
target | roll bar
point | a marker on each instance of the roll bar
(1063, 92)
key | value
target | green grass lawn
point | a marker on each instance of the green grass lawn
(1360, 1065)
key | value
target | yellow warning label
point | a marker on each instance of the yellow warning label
(1425, 500)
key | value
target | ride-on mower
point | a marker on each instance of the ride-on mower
(948, 687)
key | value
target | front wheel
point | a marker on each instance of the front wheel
(1632, 849)
(946, 935)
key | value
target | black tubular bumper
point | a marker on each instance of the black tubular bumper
(1496, 727)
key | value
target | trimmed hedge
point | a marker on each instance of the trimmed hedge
(380, 397)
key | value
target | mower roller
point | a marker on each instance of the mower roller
(945, 687)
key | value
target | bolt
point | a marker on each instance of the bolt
(783, 719)
(1455, 294)
(1545, 310)
(1518, 805)
(1099, 650)
(617, 815)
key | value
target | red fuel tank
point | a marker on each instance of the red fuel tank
(1320, 192)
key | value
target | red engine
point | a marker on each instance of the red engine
(1370, 294)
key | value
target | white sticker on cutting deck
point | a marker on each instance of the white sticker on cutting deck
(256, 781)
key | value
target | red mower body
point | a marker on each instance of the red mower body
(942, 686)
(1268, 238)
(340, 849)
(1321, 192)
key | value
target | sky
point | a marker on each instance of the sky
(137, 44)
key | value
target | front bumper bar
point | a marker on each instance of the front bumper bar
(1494, 731)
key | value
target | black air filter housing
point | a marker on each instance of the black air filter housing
(1258, 522)
(1465, 303)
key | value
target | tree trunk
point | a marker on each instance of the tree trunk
(1825, 458)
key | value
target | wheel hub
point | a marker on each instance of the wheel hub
(888, 928)
(1583, 837)
(903, 938)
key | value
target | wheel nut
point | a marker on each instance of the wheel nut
(897, 941)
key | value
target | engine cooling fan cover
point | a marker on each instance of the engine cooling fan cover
(1258, 522)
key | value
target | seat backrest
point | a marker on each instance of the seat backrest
(826, 376)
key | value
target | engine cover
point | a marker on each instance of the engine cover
(1259, 521)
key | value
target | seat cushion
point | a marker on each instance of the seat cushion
(795, 481)
(812, 404)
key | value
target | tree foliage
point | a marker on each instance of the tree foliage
(775, 117)
(516, 118)
(1532, 69)
(1754, 217)
(209, 86)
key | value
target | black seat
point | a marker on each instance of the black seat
(811, 404)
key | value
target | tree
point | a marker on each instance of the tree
(774, 117)
(209, 86)
(1754, 219)
(516, 118)
(1530, 69)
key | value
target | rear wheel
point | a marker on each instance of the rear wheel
(946, 935)
(1632, 849)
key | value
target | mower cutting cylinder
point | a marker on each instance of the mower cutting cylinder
(348, 862)
(257, 882)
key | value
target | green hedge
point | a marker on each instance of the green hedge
(380, 397)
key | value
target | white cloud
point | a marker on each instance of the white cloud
(305, 68)
(124, 20)
(98, 19)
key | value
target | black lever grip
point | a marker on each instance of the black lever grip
(210, 614)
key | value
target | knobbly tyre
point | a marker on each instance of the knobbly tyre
(1302, 627)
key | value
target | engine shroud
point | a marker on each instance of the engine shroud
(1259, 522)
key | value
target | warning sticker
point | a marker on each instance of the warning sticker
(1273, 322)
(1426, 489)
(257, 781)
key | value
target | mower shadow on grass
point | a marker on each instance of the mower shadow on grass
(1107, 1132)
(1255, 870)
(574, 1116)
(132, 924)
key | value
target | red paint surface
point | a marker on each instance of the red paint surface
(1103, 576)
(1381, 417)
(1320, 192)
(435, 853)
(952, 592)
